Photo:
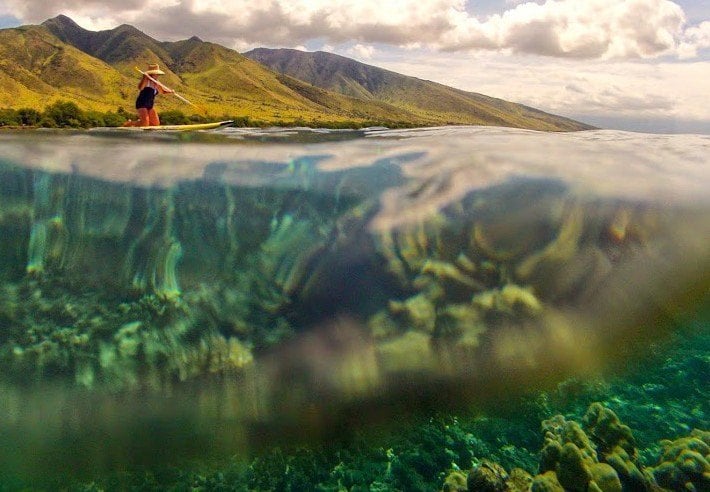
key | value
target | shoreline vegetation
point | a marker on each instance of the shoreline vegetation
(67, 114)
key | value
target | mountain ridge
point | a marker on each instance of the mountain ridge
(341, 74)
(111, 45)
(61, 60)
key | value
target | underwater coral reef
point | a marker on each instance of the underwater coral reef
(320, 328)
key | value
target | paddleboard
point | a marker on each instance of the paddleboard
(195, 126)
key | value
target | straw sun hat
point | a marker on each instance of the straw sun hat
(153, 69)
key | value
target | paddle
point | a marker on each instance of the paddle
(171, 91)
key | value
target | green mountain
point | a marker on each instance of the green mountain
(428, 100)
(36, 69)
(97, 72)
(96, 69)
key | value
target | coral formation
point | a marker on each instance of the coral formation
(131, 286)
(423, 452)
(685, 464)
(455, 482)
(568, 453)
(487, 477)
(98, 341)
(528, 249)
(600, 457)
(257, 265)
(616, 446)
(518, 481)
(547, 482)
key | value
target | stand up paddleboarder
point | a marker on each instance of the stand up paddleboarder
(149, 87)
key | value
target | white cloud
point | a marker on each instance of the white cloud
(362, 52)
(695, 39)
(586, 29)
(575, 29)
(90, 14)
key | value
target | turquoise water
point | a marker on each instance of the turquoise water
(301, 310)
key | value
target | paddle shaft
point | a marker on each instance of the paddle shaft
(166, 88)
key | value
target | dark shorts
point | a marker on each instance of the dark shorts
(146, 98)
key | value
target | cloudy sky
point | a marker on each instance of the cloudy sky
(632, 64)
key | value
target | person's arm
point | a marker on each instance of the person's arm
(142, 83)
(164, 90)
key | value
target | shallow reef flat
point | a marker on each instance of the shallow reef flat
(228, 294)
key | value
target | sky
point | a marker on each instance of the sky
(640, 65)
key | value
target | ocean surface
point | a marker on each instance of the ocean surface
(460, 308)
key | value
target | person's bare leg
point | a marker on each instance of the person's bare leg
(153, 117)
(143, 118)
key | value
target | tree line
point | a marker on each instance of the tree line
(66, 114)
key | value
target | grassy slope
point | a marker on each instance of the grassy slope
(351, 107)
(37, 69)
